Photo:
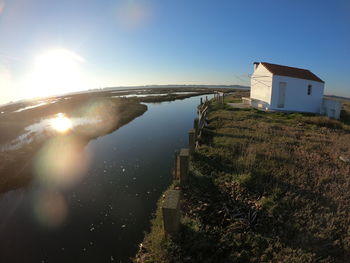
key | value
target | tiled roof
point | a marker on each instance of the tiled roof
(291, 72)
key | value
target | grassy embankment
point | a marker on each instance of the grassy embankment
(16, 165)
(264, 187)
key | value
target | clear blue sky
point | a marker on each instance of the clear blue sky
(135, 42)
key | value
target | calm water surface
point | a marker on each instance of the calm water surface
(108, 211)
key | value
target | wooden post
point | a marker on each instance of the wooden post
(171, 212)
(191, 140)
(184, 160)
(200, 121)
(204, 116)
(176, 165)
(195, 125)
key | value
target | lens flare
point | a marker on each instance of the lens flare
(103, 110)
(50, 208)
(61, 123)
(133, 14)
(61, 162)
(2, 6)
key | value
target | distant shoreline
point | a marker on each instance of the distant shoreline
(129, 89)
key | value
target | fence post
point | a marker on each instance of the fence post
(191, 140)
(176, 165)
(195, 125)
(171, 212)
(184, 159)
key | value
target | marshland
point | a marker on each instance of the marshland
(81, 174)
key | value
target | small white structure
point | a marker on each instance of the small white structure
(331, 108)
(281, 88)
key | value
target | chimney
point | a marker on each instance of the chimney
(256, 64)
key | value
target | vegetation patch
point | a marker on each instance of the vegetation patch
(264, 187)
(16, 165)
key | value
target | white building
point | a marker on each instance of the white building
(282, 88)
(331, 108)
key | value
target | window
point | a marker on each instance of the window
(309, 90)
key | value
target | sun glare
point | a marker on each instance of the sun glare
(55, 71)
(61, 123)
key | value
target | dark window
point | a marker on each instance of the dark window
(309, 90)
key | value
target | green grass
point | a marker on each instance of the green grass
(232, 100)
(265, 187)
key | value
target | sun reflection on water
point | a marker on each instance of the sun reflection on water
(61, 123)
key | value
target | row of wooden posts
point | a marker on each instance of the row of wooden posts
(171, 204)
(219, 97)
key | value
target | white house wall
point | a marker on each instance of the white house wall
(261, 85)
(296, 97)
(331, 108)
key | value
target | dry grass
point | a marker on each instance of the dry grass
(267, 187)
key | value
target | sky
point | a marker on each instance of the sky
(52, 47)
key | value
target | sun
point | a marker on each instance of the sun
(55, 71)
(57, 59)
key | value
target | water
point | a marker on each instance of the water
(42, 103)
(141, 95)
(106, 214)
(39, 129)
(154, 94)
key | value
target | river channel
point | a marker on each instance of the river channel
(106, 214)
